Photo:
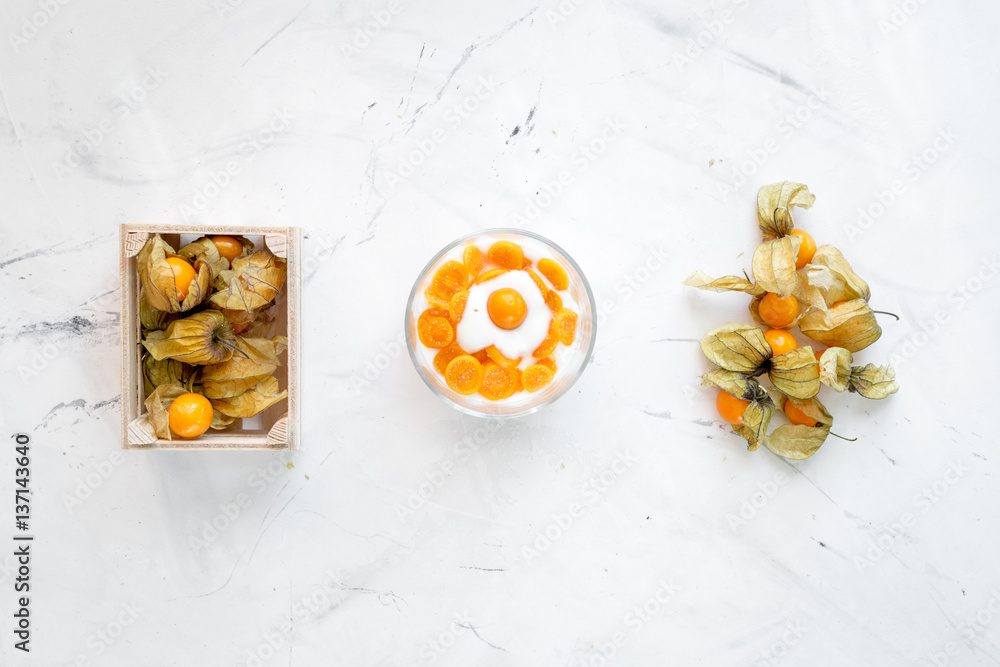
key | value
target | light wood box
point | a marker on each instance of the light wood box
(278, 427)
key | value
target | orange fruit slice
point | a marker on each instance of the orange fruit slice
(565, 326)
(548, 345)
(457, 306)
(553, 301)
(496, 355)
(434, 329)
(490, 275)
(445, 355)
(474, 260)
(464, 375)
(507, 255)
(538, 281)
(498, 382)
(536, 376)
(554, 271)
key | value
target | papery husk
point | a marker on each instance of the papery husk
(164, 371)
(733, 383)
(873, 381)
(835, 368)
(220, 421)
(850, 325)
(262, 396)
(157, 278)
(703, 281)
(774, 207)
(799, 442)
(260, 327)
(756, 418)
(201, 339)
(833, 276)
(158, 403)
(252, 283)
(241, 373)
(796, 373)
(153, 319)
(737, 347)
(249, 324)
(205, 248)
(774, 265)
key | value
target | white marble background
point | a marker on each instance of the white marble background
(450, 117)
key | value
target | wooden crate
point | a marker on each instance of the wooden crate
(279, 425)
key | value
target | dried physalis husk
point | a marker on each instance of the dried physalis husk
(831, 274)
(252, 283)
(774, 265)
(850, 325)
(158, 403)
(797, 441)
(206, 251)
(241, 373)
(737, 347)
(158, 278)
(774, 207)
(835, 368)
(796, 373)
(757, 415)
(153, 319)
(156, 372)
(262, 396)
(873, 381)
(703, 281)
(201, 339)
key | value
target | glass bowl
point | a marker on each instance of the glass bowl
(571, 360)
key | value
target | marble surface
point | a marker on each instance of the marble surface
(622, 525)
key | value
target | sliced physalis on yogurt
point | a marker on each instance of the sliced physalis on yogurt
(497, 320)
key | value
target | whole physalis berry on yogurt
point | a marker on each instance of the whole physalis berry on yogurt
(507, 308)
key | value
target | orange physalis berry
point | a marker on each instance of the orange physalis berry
(780, 341)
(798, 417)
(490, 275)
(229, 247)
(184, 273)
(731, 408)
(806, 250)
(553, 301)
(548, 345)
(538, 281)
(507, 308)
(190, 415)
(778, 311)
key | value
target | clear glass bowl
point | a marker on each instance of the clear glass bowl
(572, 360)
